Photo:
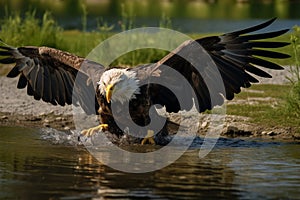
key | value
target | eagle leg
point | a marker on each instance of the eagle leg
(149, 138)
(91, 131)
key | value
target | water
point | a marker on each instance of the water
(185, 15)
(36, 168)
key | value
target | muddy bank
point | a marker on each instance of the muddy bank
(19, 109)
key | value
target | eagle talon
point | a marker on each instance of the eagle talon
(91, 131)
(149, 138)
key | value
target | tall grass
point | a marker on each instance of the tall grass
(295, 68)
(293, 98)
(30, 30)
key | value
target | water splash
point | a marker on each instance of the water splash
(60, 137)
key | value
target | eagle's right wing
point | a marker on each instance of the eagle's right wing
(53, 75)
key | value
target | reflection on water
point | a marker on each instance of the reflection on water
(33, 168)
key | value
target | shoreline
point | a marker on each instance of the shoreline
(233, 127)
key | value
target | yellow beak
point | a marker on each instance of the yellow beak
(109, 91)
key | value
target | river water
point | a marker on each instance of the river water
(32, 167)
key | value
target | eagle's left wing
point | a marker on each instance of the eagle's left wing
(215, 67)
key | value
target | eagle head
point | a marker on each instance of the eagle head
(119, 85)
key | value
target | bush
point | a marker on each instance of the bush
(293, 98)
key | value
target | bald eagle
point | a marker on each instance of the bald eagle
(50, 74)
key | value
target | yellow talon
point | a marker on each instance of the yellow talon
(89, 132)
(149, 138)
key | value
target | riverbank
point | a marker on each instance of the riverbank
(19, 109)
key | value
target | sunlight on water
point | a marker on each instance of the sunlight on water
(37, 165)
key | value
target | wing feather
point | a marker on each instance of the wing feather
(68, 86)
(253, 28)
(30, 91)
(60, 91)
(7, 60)
(259, 36)
(22, 83)
(47, 95)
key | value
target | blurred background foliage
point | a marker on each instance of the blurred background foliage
(184, 13)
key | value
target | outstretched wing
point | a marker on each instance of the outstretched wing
(232, 58)
(54, 76)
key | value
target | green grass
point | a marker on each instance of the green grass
(270, 112)
(264, 90)
(81, 44)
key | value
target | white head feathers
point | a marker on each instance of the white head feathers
(125, 84)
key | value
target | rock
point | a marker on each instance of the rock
(271, 133)
(4, 117)
(42, 114)
(58, 119)
(46, 124)
(66, 128)
(35, 118)
(204, 124)
(264, 132)
(232, 129)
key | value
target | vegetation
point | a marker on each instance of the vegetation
(265, 105)
(293, 98)
(19, 31)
